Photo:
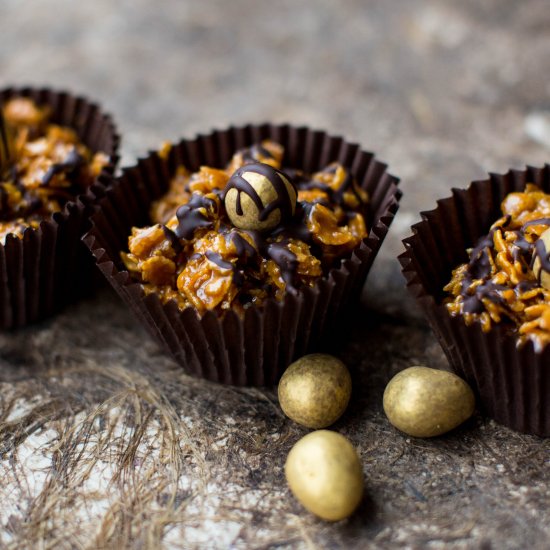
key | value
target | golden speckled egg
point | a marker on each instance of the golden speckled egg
(425, 402)
(315, 390)
(258, 197)
(324, 473)
(541, 269)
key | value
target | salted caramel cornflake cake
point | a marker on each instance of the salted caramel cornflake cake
(48, 167)
(230, 238)
(507, 279)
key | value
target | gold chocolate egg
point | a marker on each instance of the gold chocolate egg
(258, 197)
(541, 261)
(324, 473)
(425, 402)
(315, 390)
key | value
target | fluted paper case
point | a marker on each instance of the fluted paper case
(512, 383)
(253, 349)
(49, 267)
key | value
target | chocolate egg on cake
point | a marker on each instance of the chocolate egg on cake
(258, 197)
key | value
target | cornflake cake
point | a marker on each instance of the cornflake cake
(507, 279)
(50, 167)
(231, 238)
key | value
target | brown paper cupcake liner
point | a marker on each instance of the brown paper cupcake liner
(256, 348)
(49, 267)
(512, 383)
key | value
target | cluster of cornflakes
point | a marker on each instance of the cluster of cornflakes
(50, 167)
(194, 255)
(499, 285)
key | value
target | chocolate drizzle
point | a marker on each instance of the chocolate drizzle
(538, 249)
(539, 221)
(474, 303)
(276, 178)
(172, 237)
(255, 153)
(480, 266)
(245, 251)
(526, 286)
(286, 260)
(296, 228)
(190, 216)
(336, 196)
(249, 256)
(218, 260)
(522, 248)
(29, 203)
(70, 166)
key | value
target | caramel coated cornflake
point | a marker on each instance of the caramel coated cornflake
(195, 255)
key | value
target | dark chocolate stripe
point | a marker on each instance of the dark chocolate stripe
(286, 261)
(255, 153)
(297, 228)
(275, 178)
(522, 248)
(218, 260)
(480, 248)
(245, 251)
(190, 216)
(69, 166)
(283, 201)
(540, 221)
(525, 286)
(242, 186)
(336, 195)
(479, 267)
(172, 237)
(473, 303)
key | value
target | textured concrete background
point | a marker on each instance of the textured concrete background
(104, 443)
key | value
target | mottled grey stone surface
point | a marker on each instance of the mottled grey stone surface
(105, 443)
